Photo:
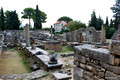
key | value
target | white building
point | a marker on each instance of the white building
(58, 26)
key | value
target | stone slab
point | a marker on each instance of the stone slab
(91, 51)
(111, 76)
(78, 71)
(113, 69)
(60, 76)
(37, 50)
(80, 58)
(52, 66)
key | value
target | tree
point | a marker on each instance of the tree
(37, 22)
(116, 11)
(109, 32)
(99, 23)
(107, 22)
(75, 25)
(111, 23)
(2, 20)
(28, 14)
(93, 21)
(12, 21)
(65, 18)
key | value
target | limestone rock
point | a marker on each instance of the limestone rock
(114, 47)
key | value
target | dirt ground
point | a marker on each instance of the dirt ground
(11, 63)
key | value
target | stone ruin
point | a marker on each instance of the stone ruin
(93, 63)
(37, 57)
(87, 35)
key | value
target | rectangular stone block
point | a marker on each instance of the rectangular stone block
(88, 75)
(111, 76)
(98, 55)
(76, 77)
(78, 71)
(80, 58)
(113, 69)
(86, 67)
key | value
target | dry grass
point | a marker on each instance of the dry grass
(11, 63)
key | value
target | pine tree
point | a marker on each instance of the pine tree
(116, 11)
(37, 22)
(107, 22)
(99, 23)
(93, 21)
(111, 23)
(2, 20)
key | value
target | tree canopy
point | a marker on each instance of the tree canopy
(30, 13)
(65, 18)
(12, 21)
(75, 25)
(93, 21)
(37, 21)
(116, 11)
(96, 22)
(2, 20)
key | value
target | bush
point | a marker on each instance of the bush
(109, 32)
(76, 25)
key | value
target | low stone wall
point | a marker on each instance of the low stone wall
(74, 36)
(53, 46)
(36, 75)
(92, 63)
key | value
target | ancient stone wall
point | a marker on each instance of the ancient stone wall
(55, 47)
(92, 63)
(74, 36)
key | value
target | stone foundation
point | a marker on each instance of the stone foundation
(92, 63)
(56, 46)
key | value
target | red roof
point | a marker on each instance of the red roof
(59, 22)
(67, 24)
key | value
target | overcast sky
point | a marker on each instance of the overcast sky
(76, 9)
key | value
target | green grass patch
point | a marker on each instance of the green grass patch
(24, 61)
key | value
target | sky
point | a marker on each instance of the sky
(80, 10)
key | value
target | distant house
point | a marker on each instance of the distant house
(59, 26)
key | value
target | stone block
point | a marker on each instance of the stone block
(88, 75)
(60, 76)
(114, 47)
(76, 63)
(86, 67)
(80, 58)
(113, 69)
(111, 76)
(78, 72)
(76, 77)
(92, 52)
(98, 55)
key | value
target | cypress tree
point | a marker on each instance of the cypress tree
(37, 22)
(2, 20)
(107, 22)
(93, 21)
